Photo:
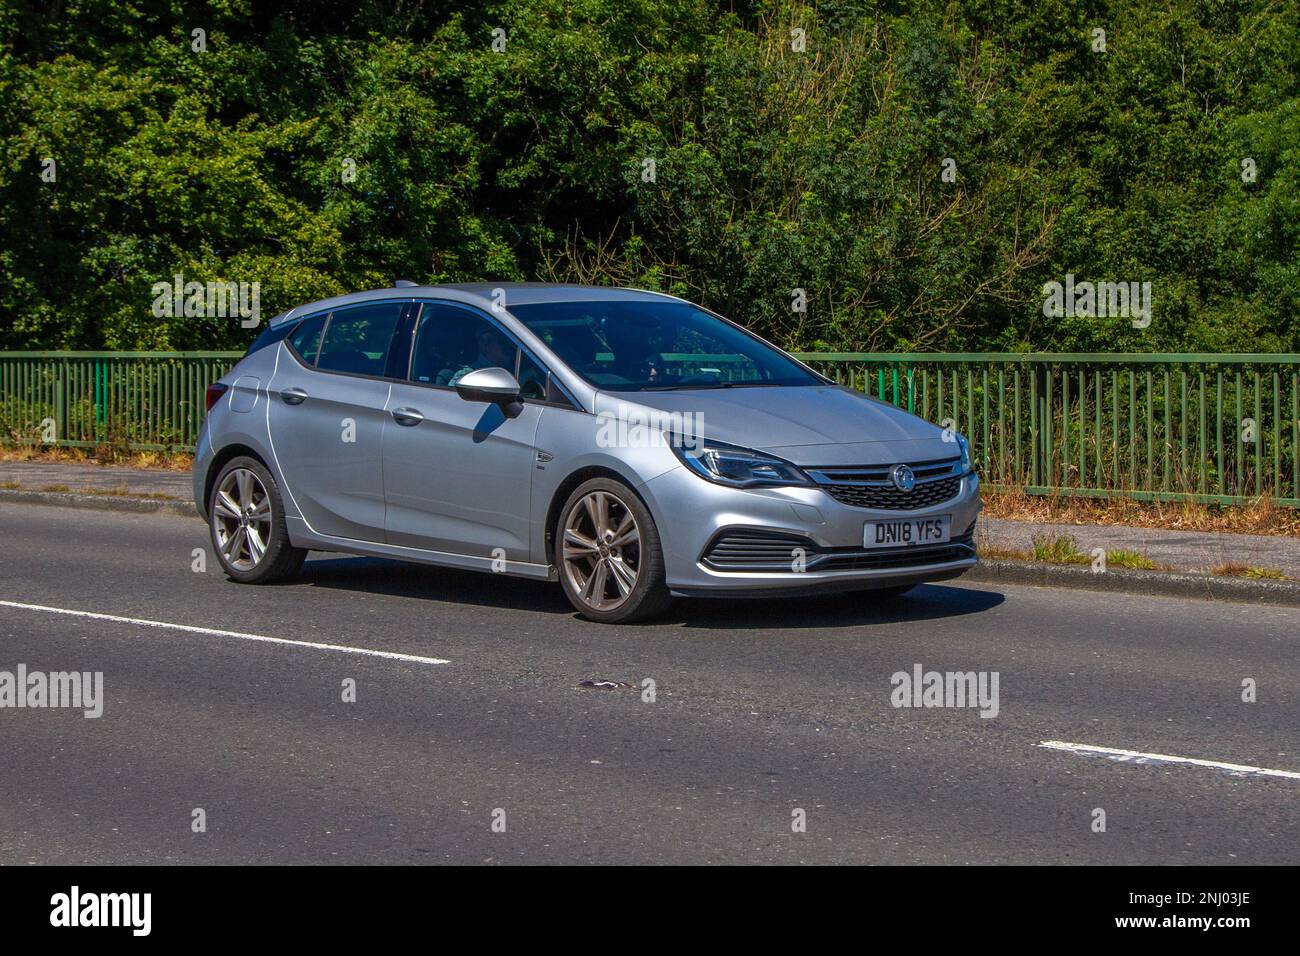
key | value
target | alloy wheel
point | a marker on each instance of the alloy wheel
(241, 519)
(601, 550)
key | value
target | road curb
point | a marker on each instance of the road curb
(1208, 587)
(100, 502)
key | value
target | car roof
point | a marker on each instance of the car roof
(481, 294)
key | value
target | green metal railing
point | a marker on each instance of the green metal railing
(1209, 428)
(144, 401)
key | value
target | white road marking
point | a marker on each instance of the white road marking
(314, 645)
(1138, 756)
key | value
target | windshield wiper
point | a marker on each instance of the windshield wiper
(703, 385)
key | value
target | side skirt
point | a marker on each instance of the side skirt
(302, 537)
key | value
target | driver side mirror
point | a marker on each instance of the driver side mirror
(495, 386)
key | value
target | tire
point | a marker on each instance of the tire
(263, 555)
(609, 596)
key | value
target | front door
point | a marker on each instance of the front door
(458, 474)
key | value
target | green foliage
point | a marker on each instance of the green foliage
(1057, 549)
(1265, 574)
(1130, 558)
(774, 169)
(1064, 549)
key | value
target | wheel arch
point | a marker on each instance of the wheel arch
(219, 461)
(566, 488)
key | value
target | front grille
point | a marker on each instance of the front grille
(870, 486)
(742, 549)
(889, 498)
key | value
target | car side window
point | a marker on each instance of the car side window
(357, 340)
(451, 342)
(305, 339)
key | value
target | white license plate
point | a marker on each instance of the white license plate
(902, 532)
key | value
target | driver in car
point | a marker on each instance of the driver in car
(493, 352)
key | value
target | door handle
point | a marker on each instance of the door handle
(407, 416)
(292, 396)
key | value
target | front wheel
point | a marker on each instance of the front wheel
(247, 523)
(609, 556)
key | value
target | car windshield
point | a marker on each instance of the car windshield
(637, 345)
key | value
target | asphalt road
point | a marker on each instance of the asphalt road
(761, 708)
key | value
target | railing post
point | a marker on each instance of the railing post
(61, 402)
(100, 409)
(1035, 427)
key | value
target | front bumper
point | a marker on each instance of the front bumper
(692, 514)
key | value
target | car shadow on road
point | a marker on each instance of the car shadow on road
(404, 579)
(407, 579)
(822, 612)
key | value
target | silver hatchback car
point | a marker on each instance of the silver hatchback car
(628, 443)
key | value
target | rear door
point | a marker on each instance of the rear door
(327, 414)
(458, 474)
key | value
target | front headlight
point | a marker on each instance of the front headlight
(734, 466)
(964, 445)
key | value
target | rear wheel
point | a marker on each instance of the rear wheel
(609, 556)
(247, 523)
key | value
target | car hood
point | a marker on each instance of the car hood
(816, 425)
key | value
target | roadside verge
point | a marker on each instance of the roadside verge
(1169, 583)
(101, 502)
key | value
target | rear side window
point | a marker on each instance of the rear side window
(305, 339)
(269, 336)
(357, 341)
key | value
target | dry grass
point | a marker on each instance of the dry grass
(121, 491)
(125, 492)
(1261, 517)
(105, 455)
(990, 552)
